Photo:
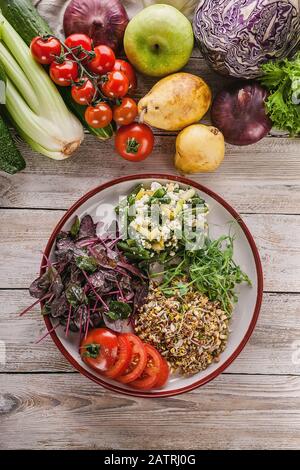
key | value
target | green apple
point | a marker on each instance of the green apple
(159, 40)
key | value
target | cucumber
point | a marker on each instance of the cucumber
(11, 161)
(26, 20)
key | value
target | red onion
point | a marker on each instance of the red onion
(240, 114)
(104, 21)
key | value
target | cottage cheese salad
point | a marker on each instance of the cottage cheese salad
(151, 300)
(161, 217)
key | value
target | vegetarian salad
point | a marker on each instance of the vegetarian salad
(147, 297)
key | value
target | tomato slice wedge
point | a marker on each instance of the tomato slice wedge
(138, 361)
(163, 374)
(151, 374)
(123, 359)
(99, 349)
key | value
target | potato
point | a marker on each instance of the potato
(175, 102)
(199, 148)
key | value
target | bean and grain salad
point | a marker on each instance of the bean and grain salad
(190, 331)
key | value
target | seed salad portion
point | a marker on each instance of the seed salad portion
(150, 300)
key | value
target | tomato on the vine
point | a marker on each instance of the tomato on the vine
(103, 61)
(64, 73)
(115, 85)
(128, 70)
(44, 50)
(125, 112)
(134, 142)
(99, 349)
(83, 92)
(77, 42)
(98, 116)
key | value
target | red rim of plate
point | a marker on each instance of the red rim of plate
(259, 273)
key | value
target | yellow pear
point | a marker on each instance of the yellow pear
(175, 102)
(199, 148)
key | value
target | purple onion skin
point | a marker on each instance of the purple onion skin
(104, 21)
(240, 114)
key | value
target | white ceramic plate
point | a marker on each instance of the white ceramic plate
(100, 203)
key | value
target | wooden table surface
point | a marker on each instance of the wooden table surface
(255, 404)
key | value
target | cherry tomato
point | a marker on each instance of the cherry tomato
(127, 68)
(45, 50)
(134, 142)
(64, 73)
(98, 116)
(116, 84)
(83, 93)
(79, 41)
(99, 349)
(126, 112)
(152, 372)
(138, 361)
(103, 61)
(123, 358)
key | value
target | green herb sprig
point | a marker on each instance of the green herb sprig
(211, 270)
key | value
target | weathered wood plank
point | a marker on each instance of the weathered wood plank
(68, 412)
(269, 351)
(261, 178)
(24, 234)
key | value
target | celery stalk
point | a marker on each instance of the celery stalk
(33, 102)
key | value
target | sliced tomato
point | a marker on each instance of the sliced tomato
(123, 358)
(163, 374)
(138, 361)
(153, 371)
(99, 349)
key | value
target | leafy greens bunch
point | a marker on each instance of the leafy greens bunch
(211, 270)
(282, 79)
